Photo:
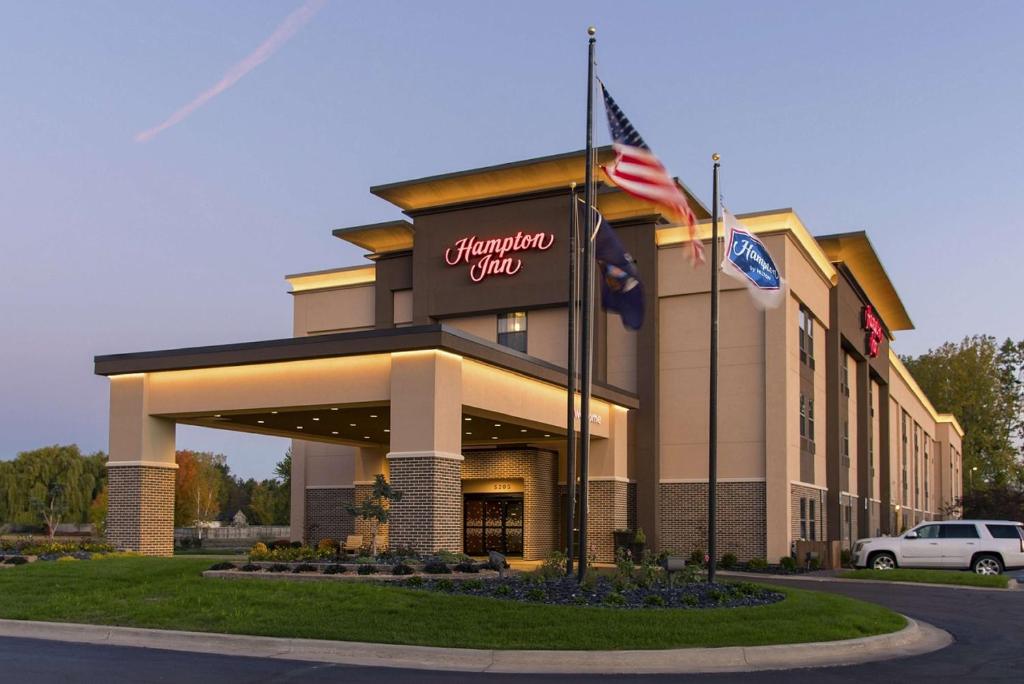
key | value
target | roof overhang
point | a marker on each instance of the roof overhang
(505, 180)
(856, 252)
(379, 238)
(332, 278)
(414, 338)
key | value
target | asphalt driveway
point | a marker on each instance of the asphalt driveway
(988, 627)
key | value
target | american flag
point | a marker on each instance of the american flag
(637, 171)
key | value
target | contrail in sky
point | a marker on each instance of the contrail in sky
(281, 35)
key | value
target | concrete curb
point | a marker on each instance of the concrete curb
(1012, 584)
(915, 639)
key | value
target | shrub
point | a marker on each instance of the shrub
(502, 590)
(335, 570)
(640, 537)
(787, 563)
(846, 558)
(624, 567)
(367, 569)
(472, 585)
(280, 544)
(728, 561)
(304, 567)
(222, 566)
(450, 556)
(67, 559)
(467, 566)
(401, 569)
(535, 594)
(697, 557)
(717, 596)
(445, 585)
(689, 601)
(436, 568)
(814, 564)
(406, 552)
(757, 564)
(250, 567)
(16, 560)
(554, 565)
(278, 567)
(296, 545)
(654, 600)
(615, 599)
(414, 582)
(327, 546)
(259, 551)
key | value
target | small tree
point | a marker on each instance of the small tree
(98, 512)
(52, 507)
(376, 507)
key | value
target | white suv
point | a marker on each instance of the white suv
(986, 547)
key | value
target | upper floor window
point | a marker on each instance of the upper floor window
(806, 336)
(844, 380)
(846, 442)
(512, 330)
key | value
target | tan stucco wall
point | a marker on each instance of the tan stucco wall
(402, 302)
(546, 334)
(335, 310)
(622, 350)
(484, 327)
(135, 435)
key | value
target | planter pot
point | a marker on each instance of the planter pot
(623, 539)
(637, 550)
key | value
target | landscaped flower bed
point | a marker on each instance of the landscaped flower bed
(605, 591)
(29, 550)
(352, 569)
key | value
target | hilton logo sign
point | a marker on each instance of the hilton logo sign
(873, 326)
(495, 256)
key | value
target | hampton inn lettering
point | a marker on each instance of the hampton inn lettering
(495, 256)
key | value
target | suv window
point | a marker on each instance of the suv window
(1005, 531)
(959, 531)
(928, 532)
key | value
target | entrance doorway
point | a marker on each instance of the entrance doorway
(492, 522)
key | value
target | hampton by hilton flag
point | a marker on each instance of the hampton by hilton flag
(637, 171)
(747, 259)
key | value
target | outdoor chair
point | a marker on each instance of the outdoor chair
(353, 543)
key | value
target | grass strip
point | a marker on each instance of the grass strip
(171, 594)
(951, 577)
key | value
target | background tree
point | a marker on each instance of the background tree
(31, 476)
(981, 382)
(52, 507)
(375, 507)
(197, 487)
(98, 512)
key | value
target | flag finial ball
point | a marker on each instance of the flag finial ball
(715, 157)
(591, 30)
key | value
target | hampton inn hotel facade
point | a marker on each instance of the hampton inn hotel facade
(440, 363)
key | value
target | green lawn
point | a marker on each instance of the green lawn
(956, 577)
(171, 594)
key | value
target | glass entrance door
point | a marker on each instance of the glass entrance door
(492, 523)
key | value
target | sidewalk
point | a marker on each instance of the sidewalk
(915, 639)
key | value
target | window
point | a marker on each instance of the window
(846, 443)
(844, 379)
(803, 518)
(512, 330)
(810, 420)
(1006, 531)
(806, 336)
(803, 417)
(806, 423)
(811, 519)
(959, 531)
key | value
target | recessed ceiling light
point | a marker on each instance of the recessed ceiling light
(274, 412)
(469, 433)
(298, 427)
(334, 408)
(334, 432)
(547, 435)
(494, 438)
(366, 436)
(216, 415)
(387, 429)
(373, 415)
(497, 425)
(316, 419)
(351, 424)
(260, 422)
(522, 430)
(467, 418)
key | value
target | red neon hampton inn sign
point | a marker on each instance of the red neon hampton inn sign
(495, 256)
(873, 327)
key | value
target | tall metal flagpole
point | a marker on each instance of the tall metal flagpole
(586, 356)
(570, 417)
(713, 391)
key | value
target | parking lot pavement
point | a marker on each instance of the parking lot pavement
(987, 628)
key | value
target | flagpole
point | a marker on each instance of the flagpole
(570, 413)
(586, 356)
(713, 390)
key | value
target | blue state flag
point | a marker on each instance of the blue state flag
(747, 259)
(621, 289)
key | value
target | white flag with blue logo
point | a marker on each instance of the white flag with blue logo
(747, 259)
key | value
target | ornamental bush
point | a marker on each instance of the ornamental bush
(757, 564)
(401, 569)
(335, 570)
(329, 546)
(367, 569)
(436, 568)
(222, 566)
(304, 567)
(728, 561)
(16, 560)
(697, 557)
(467, 566)
(278, 567)
(259, 551)
(787, 563)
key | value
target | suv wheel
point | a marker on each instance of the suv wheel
(987, 564)
(883, 561)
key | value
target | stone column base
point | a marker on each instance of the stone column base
(429, 516)
(140, 510)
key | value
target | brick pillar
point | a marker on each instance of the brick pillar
(140, 509)
(609, 511)
(425, 459)
(429, 516)
(141, 471)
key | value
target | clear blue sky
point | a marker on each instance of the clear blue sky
(901, 118)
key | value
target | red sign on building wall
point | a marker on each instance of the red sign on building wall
(495, 256)
(873, 327)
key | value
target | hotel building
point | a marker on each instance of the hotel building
(440, 363)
